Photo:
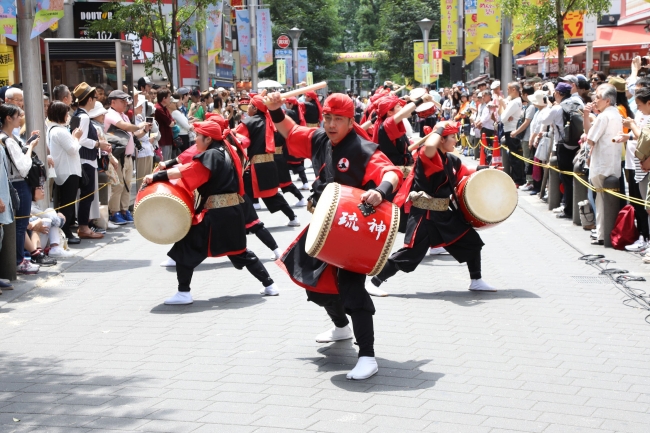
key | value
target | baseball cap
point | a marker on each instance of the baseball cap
(570, 79)
(496, 84)
(195, 93)
(182, 91)
(118, 94)
(564, 88)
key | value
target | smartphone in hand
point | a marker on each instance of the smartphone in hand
(75, 121)
(32, 138)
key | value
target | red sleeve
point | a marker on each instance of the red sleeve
(243, 130)
(378, 166)
(463, 171)
(394, 130)
(187, 155)
(431, 165)
(194, 174)
(299, 141)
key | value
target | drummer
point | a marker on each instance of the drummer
(218, 227)
(433, 221)
(347, 156)
(296, 110)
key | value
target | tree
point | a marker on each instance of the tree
(147, 18)
(543, 21)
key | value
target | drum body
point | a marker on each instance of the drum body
(487, 198)
(163, 212)
(342, 236)
(425, 110)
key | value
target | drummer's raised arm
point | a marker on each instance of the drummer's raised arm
(407, 110)
(433, 141)
(282, 123)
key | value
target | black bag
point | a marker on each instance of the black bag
(118, 139)
(573, 127)
(36, 175)
(15, 199)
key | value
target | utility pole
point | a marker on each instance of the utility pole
(252, 7)
(506, 55)
(203, 60)
(177, 49)
(66, 24)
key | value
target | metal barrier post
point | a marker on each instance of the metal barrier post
(554, 195)
(8, 252)
(611, 206)
(579, 194)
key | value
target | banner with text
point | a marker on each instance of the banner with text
(472, 49)
(8, 19)
(192, 53)
(364, 56)
(449, 28)
(264, 39)
(418, 61)
(489, 26)
(303, 66)
(281, 69)
(287, 56)
(244, 40)
(519, 42)
(213, 26)
(48, 12)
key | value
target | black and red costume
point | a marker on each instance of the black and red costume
(284, 176)
(339, 291)
(438, 177)
(313, 111)
(297, 114)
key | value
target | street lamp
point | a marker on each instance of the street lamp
(425, 26)
(294, 34)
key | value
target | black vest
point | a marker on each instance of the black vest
(84, 152)
(294, 115)
(344, 163)
(256, 126)
(311, 112)
(223, 174)
(437, 185)
(398, 151)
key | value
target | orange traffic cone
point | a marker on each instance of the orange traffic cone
(496, 153)
(483, 145)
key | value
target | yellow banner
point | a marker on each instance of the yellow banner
(449, 28)
(573, 25)
(472, 49)
(418, 60)
(365, 56)
(7, 65)
(519, 43)
(489, 26)
(310, 78)
(281, 66)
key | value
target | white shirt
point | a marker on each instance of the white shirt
(606, 155)
(485, 116)
(641, 120)
(18, 164)
(65, 153)
(513, 110)
(145, 141)
(111, 118)
(182, 122)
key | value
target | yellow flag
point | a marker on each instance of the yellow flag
(449, 28)
(418, 61)
(520, 42)
(489, 26)
(472, 50)
(281, 70)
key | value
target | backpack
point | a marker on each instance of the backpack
(624, 232)
(573, 127)
(36, 175)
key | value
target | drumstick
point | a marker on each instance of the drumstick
(367, 125)
(419, 142)
(298, 92)
(399, 89)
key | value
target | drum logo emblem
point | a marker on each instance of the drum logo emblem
(343, 165)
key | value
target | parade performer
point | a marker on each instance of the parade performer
(313, 111)
(284, 176)
(261, 177)
(296, 111)
(218, 227)
(433, 221)
(344, 154)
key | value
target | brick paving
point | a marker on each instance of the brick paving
(93, 348)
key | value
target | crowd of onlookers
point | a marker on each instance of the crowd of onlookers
(93, 136)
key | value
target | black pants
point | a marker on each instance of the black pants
(293, 189)
(489, 139)
(640, 213)
(467, 249)
(517, 168)
(68, 194)
(83, 214)
(354, 301)
(246, 259)
(299, 169)
(278, 203)
(567, 182)
(264, 235)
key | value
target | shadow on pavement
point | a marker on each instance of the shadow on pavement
(283, 229)
(469, 299)
(221, 303)
(109, 265)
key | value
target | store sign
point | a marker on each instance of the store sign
(573, 25)
(622, 58)
(283, 41)
(87, 13)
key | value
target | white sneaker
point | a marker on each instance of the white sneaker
(437, 251)
(111, 226)
(276, 254)
(27, 268)
(180, 298)
(301, 203)
(305, 187)
(558, 209)
(169, 263)
(58, 251)
(294, 222)
(637, 246)
(271, 290)
(526, 187)
(481, 286)
(335, 334)
(375, 291)
(257, 206)
(366, 367)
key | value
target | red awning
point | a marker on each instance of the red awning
(627, 37)
(532, 59)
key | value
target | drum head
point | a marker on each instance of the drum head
(417, 93)
(424, 107)
(321, 221)
(162, 218)
(491, 196)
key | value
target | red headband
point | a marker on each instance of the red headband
(339, 104)
(209, 129)
(300, 109)
(314, 96)
(451, 128)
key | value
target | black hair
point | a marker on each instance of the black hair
(57, 111)
(621, 99)
(60, 92)
(642, 95)
(643, 82)
(528, 90)
(162, 94)
(8, 110)
(83, 101)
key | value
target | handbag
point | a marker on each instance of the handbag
(15, 198)
(543, 148)
(118, 139)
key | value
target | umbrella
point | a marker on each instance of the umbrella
(268, 83)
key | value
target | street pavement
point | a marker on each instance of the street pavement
(89, 345)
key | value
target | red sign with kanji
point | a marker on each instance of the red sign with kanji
(283, 41)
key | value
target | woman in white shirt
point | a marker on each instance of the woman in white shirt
(181, 122)
(64, 148)
(18, 165)
(144, 161)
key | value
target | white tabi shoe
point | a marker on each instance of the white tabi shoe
(375, 291)
(301, 203)
(276, 254)
(305, 187)
(257, 206)
(271, 290)
(481, 286)
(180, 298)
(294, 222)
(169, 263)
(366, 367)
(335, 334)
(437, 251)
